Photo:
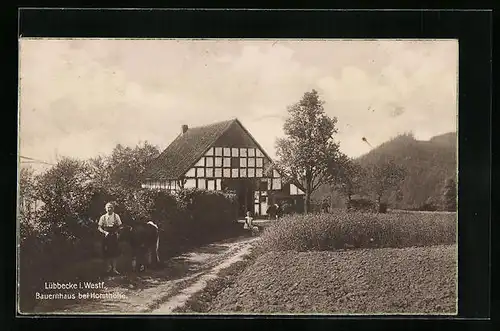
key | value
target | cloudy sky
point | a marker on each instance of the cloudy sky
(81, 97)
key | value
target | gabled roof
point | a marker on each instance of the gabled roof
(187, 149)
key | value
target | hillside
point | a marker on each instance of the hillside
(428, 163)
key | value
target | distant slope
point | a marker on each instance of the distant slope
(428, 164)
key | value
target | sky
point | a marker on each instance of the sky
(81, 97)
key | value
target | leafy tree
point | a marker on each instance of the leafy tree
(27, 194)
(29, 224)
(383, 177)
(347, 175)
(66, 191)
(125, 165)
(450, 195)
(121, 174)
(308, 150)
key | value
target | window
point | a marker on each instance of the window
(243, 172)
(258, 153)
(218, 162)
(210, 172)
(210, 151)
(243, 162)
(258, 172)
(218, 172)
(251, 152)
(251, 172)
(218, 151)
(235, 162)
(218, 183)
(211, 185)
(200, 163)
(275, 173)
(191, 173)
(234, 173)
(263, 185)
(210, 161)
(235, 152)
(251, 162)
(202, 185)
(259, 162)
(243, 152)
(227, 173)
(227, 162)
(227, 151)
(200, 172)
(276, 184)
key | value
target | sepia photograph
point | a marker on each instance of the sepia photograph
(237, 176)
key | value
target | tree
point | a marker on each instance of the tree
(117, 178)
(29, 225)
(308, 150)
(126, 165)
(347, 175)
(383, 177)
(27, 194)
(450, 195)
(66, 191)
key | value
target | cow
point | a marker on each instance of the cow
(144, 241)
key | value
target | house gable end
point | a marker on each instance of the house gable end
(238, 136)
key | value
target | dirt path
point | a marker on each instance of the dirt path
(158, 291)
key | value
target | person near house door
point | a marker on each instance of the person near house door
(249, 224)
(108, 225)
(279, 211)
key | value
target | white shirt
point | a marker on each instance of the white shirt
(107, 220)
(249, 220)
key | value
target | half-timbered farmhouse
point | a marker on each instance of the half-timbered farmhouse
(222, 156)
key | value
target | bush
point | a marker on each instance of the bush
(343, 229)
(361, 204)
(382, 207)
(191, 217)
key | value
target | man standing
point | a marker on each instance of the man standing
(279, 211)
(108, 225)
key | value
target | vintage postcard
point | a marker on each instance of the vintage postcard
(237, 176)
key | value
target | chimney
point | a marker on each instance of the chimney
(184, 128)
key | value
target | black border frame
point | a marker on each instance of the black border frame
(473, 29)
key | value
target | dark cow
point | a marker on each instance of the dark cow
(144, 240)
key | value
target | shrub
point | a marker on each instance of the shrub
(210, 215)
(342, 229)
(382, 207)
(191, 217)
(361, 204)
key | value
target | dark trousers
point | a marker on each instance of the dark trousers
(110, 247)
